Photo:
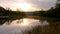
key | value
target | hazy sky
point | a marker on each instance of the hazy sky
(39, 4)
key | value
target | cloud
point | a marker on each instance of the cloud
(40, 4)
(44, 4)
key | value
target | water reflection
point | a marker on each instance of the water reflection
(26, 21)
(19, 26)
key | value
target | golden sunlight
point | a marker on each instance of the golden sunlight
(25, 22)
(25, 7)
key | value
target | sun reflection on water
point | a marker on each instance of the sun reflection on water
(22, 25)
(24, 22)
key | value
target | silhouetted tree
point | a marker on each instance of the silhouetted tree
(54, 12)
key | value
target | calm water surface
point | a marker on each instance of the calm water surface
(20, 26)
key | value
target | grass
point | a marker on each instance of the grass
(50, 29)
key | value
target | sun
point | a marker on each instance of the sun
(25, 7)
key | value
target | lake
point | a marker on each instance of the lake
(31, 25)
(19, 26)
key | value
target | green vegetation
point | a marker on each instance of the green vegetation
(50, 29)
(10, 13)
(53, 12)
(6, 15)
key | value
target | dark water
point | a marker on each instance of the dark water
(21, 25)
(30, 25)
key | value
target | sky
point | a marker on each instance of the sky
(35, 4)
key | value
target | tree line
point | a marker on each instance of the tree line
(52, 12)
(10, 13)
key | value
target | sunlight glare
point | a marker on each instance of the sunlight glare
(25, 22)
(24, 7)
